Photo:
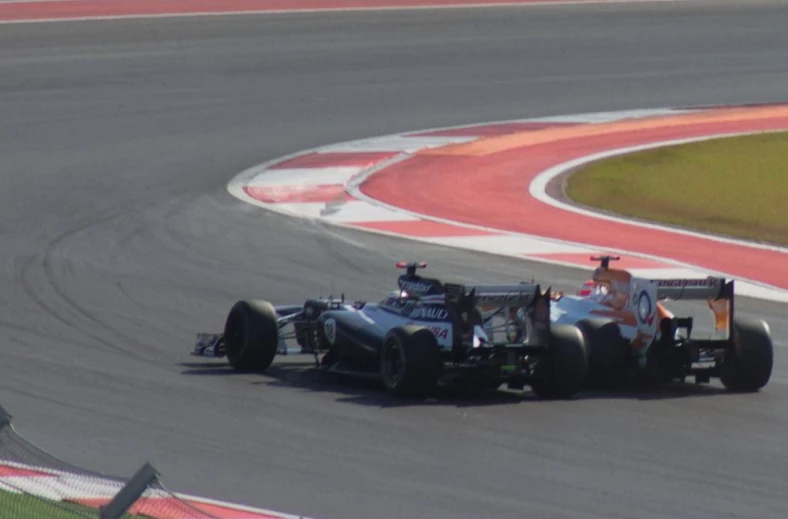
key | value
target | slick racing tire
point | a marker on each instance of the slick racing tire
(747, 367)
(251, 335)
(607, 352)
(410, 362)
(562, 373)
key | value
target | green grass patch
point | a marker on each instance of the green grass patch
(22, 506)
(734, 186)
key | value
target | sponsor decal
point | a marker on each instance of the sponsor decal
(705, 282)
(503, 298)
(429, 312)
(644, 308)
(415, 286)
(330, 328)
(440, 332)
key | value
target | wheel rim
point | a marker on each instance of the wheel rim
(392, 363)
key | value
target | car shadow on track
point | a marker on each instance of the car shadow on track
(304, 376)
(668, 392)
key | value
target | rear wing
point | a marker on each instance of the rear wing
(694, 288)
(709, 288)
(637, 294)
(527, 299)
(520, 295)
(718, 292)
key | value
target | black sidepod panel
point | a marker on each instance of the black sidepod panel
(355, 336)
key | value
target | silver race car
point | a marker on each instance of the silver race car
(425, 333)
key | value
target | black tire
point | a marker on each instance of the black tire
(747, 367)
(410, 362)
(607, 352)
(251, 335)
(562, 373)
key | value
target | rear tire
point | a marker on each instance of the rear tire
(747, 367)
(410, 362)
(607, 352)
(251, 335)
(562, 373)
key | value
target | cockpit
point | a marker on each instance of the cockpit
(402, 301)
(399, 299)
(593, 290)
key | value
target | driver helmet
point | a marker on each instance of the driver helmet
(396, 296)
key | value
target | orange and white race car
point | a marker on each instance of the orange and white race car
(628, 328)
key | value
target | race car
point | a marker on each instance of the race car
(630, 332)
(424, 334)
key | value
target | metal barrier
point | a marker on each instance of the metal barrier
(35, 484)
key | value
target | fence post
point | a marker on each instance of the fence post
(130, 492)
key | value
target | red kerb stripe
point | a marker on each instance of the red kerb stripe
(172, 508)
(8, 471)
(298, 194)
(93, 8)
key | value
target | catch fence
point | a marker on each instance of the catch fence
(37, 485)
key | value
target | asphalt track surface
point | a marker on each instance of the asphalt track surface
(119, 242)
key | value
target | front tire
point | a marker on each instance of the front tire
(410, 362)
(251, 335)
(747, 367)
(562, 373)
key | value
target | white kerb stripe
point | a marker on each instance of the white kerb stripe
(608, 117)
(394, 143)
(63, 487)
(6, 488)
(346, 212)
